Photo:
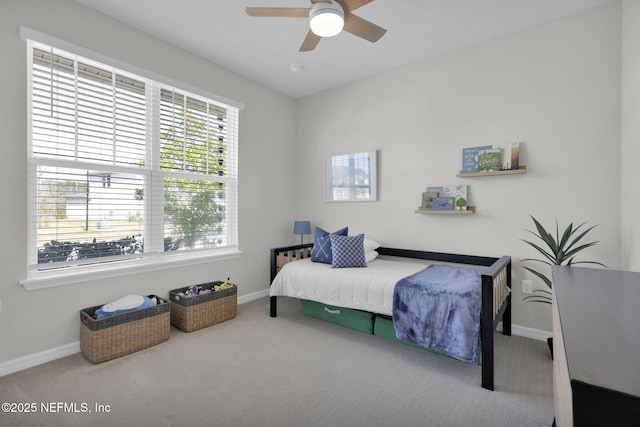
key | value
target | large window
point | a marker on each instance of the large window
(123, 167)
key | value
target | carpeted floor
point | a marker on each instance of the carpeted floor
(291, 370)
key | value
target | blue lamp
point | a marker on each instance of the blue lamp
(301, 228)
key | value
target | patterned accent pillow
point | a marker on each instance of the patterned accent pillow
(321, 251)
(348, 251)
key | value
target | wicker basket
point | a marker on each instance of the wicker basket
(196, 312)
(115, 336)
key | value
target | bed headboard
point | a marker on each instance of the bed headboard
(438, 256)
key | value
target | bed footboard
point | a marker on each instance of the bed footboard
(496, 297)
(496, 305)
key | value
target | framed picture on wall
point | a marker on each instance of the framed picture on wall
(351, 177)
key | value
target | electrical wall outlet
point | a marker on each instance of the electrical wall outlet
(527, 287)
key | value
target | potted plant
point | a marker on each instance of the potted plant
(560, 249)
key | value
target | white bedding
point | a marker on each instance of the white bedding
(369, 289)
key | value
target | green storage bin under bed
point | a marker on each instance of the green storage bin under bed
(383, 327)
(362, 321)
(355, 319)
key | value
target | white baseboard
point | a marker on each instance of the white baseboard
(45, 356)
(39, 358)
(524, 331)
(254, 296)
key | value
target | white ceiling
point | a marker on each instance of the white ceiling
(262, 49)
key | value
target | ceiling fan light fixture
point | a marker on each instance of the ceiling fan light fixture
(326, 19)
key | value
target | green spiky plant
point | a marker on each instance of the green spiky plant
(558, 250)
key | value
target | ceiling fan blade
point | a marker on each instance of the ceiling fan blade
(310, 42)
(363, 28)
(351, 5)
(320, 1)
(285, 12)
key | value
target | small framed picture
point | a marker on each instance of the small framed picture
(442, 203)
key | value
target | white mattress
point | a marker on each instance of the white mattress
(369, 289)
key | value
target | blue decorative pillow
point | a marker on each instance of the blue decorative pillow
(321, 251)
(348, 251)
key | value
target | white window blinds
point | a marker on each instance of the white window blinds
(123, 167)
(199, 169)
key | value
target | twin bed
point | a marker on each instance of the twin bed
(366, 299)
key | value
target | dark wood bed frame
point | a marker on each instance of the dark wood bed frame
(496, 291)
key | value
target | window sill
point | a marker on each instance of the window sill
(50, 279)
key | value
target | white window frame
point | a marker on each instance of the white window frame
(154, 259)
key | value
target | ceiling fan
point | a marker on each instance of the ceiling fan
(327, 18)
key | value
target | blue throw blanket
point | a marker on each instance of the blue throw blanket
(439, 308)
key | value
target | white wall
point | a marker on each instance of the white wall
(630, 188)
(34, 321)
(555, 87)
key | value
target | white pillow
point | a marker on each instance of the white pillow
(370, 245)
(370, 256)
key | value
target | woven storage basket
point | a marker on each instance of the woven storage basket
(115, 336)
(192, 313)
